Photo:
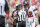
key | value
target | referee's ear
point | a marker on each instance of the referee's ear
(6, 6)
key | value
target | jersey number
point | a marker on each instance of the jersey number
(30, 14)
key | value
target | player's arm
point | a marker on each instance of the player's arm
(36, 19)
(36, 15)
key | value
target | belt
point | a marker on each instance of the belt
(21, 21)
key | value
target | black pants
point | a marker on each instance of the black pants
(14, 25)
(2, 21)
(21, 24)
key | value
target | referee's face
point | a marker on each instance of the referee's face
(20, 8)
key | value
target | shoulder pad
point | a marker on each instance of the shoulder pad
(33, 7)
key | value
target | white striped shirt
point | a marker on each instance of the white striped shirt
(3, 7)
(22, 15)
(2, 4)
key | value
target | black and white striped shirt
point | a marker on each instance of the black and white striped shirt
(21, 15)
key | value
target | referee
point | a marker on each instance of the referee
(3, 9)
(20, 16)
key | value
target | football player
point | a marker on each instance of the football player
(31, 11)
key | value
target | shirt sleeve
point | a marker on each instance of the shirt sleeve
(35, 10)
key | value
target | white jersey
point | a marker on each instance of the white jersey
(38, 25)
(31, 12)
(30, 22)
(2, 4)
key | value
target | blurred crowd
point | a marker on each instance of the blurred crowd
(12, 4)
